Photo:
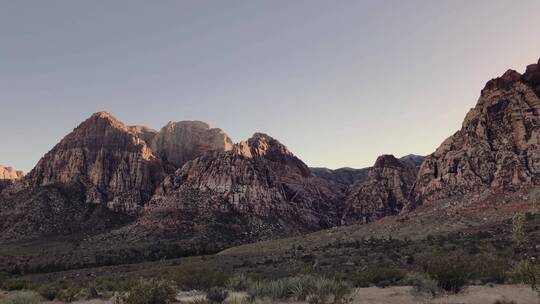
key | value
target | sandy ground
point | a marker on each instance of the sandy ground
(472, 295)
(520, 294)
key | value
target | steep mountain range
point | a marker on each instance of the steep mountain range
(190, 183)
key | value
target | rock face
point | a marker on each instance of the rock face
(108, 159)
(385, 191)
(8, 175)
(497, 146)
(98, 176)
(180, 142)
(257, 190)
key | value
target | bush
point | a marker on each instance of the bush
(451, 273)
(528, 273)
(114, 283)
(422, 284)
(217, 295)
(16, 284)
(49, 291)
(23, 297)
(200, 278)
(489, 269)
(310, 288)
(151, 292)
(239, 282)
(68, 294)
(381, 277)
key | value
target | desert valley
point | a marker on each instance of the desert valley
(112, 206)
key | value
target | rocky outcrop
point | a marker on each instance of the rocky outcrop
(257, 190)
(108, 159)
(97, 176)
(8, 175)
(497, 146)
(180, 142)
(385, 191)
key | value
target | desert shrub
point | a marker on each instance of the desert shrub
(317, 299)
(151, 292)
(422, 284)
(504, 302)
(489, 269)
(518, 229)
(114, 283)
(217, 295)
(383, 277)
(236, 299)
(200, 278)
(256, 289)
(239, 282)
(68, 294)
(16, 284)
(199, 301)
(23, 297)
(528, 273)
(3, 277)
(301, 287)
(306, 287)
(49, 291)
(451, 273)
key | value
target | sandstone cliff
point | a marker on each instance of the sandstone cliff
(97, 176)
(180, 142)
(385, 191)
(8, 175)
(497, 146)
(257, 190)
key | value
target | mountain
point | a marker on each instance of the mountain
(96, 177)
(497, 148)
(8, 175)
(341, 176)
(180, 142)
(256, 190)
(385, 191)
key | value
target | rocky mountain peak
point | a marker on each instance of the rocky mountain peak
(497, 146)
(112, 164)
(385, 191)
(262, 145)
(387, 160)
(180, 142)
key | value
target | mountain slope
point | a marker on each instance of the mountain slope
(497, 147)
(180, 142)
(385, 191)
(257, 190)
(98, 176)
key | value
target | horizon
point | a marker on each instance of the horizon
(338, 83)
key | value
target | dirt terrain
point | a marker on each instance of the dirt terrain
(520, 294)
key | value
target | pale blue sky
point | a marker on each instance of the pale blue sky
(338, 82)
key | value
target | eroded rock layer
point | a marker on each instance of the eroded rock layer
(385, 191)
(97, 175)
(497, 146)
(257, 190)
(180, 142)
(8, 175)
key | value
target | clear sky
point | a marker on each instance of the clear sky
(338, 82)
